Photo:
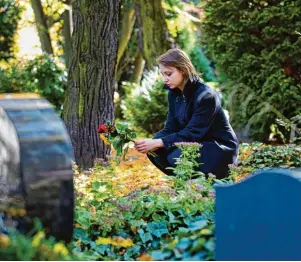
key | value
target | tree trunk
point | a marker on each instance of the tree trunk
(152, 34)
(67, 36)
(127, 24)
(89, 98)
(42, 26)
(139, 65)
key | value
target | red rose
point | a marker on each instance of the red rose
(102, 129)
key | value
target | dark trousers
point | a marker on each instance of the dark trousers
(209, 161)
(163, 160)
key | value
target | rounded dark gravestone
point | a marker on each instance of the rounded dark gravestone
(36, 176)
(259, 218)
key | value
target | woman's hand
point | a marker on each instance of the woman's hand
(145, 145)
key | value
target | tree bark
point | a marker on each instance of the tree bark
(67, 36)
(89, 98)
(152, 33)
(127, 24)
(42, 26)
(138, 70)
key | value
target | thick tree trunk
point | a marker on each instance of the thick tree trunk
(152, 34)
(89, 99)
(42, 26)
(127, 24)
(67, 36)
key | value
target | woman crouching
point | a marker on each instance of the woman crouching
(194, 115)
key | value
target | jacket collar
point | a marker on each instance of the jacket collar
(189, 88)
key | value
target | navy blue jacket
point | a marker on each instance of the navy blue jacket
(196, 115)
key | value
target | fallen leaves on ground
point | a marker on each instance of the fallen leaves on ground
(132, 174)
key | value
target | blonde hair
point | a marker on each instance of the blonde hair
(179, 59)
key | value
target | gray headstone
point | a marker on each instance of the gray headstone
(260, 217)
(36, 164)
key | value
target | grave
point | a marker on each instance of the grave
(36, 177)
(260, 217)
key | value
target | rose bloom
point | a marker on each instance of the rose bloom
(102, 129)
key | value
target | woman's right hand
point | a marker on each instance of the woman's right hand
(147, 145)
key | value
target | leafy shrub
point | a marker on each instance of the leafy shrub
(287, 131)
(257, 45)
(130, 226)
(15, 246)
(146, 106)
(202, 64)
(172, 222)
(257, 156)
(196, 243)
(147, 217)
(41, 75)
(10, 14)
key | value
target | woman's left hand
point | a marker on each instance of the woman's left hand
(143, 146)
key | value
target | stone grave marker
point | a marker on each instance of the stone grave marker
(36, 176)
(260, 217)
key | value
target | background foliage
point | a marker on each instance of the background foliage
(256, 44)
(10, 14)
(145, 106)
(41, 75)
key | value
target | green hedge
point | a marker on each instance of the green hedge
(257, 45)
(146, 105)
(10, 14)
(41, 75)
